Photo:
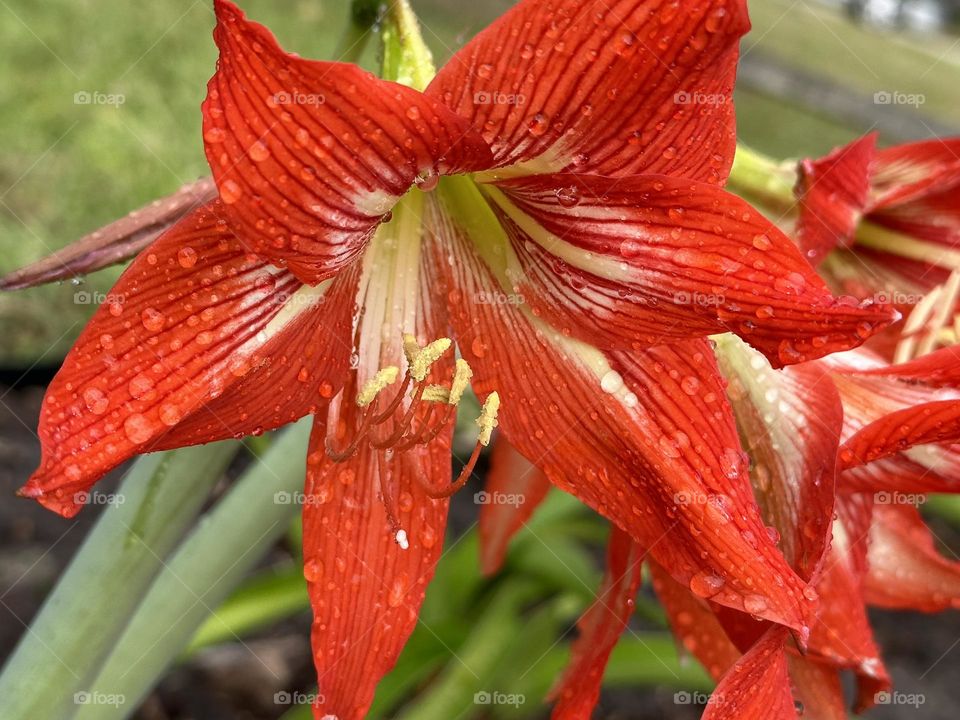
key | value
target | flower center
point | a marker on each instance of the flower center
(389, 424)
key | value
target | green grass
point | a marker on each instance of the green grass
(813, 37)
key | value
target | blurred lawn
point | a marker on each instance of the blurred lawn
(66, 169)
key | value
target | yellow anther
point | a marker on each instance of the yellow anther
(421, 364)
(436, 394)
(461, 378)
(411, 348)
(488, 417)
(375, 386)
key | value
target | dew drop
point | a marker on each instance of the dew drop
(230, 192)
(137, 429)
(187, 257)
(259, 152)
(96, 401)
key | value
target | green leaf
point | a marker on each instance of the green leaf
(85, 614)
(229, 540)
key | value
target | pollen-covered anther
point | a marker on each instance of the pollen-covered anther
(488, 418)
(437, 394)
(424, 360)
(385, 377)
(461, 379)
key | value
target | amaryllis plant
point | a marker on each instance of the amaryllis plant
(542, 219)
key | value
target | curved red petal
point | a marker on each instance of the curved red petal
(615, 88)
(647, 439)
(940, 368)
(758, 686)
(817, 688)
(922, 469)
(638, 261)
(309, 156)
(833, 193)
(600, 628)
(906, 571)
(514, 489)
(190, 330)
(932, 422)
(908, 172)
(365, 589)
(792, 420)
(694, 624)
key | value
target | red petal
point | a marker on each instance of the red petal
(757, 687)
(115, 243)
(833, 193)
(932, 422)
(309, 156)
(198, 341)
(646, 439)
(940, 368)
(924, 469)
(694, 624)
(906, 571)
(366, 590)
(600, 628)
(514, 489)
(818, 689)
(617, 88)
(934, 218)
(638, 261)
(792, 420)
(905, 173)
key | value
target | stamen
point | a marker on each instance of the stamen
(437, 394)
(420, 367)
(461, 378)
(411, 348)
(488, 417)
(383, 378)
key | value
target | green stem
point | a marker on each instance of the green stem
(85, 614)
(406, 58)
(226, 544)
(762, 178)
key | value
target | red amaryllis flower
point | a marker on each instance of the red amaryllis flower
(865, 546)
(577, 248)
(890, 216)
